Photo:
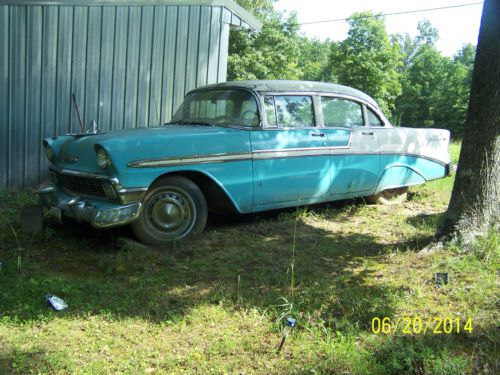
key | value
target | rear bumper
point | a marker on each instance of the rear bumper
(99, 214)
(448, 169)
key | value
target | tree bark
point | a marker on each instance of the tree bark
(474, 204)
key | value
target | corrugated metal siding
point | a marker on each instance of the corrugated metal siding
(128, 66)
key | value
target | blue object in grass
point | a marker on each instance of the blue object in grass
(290, 322)
(57, 303)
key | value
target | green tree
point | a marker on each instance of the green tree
(259, 8)
(367, 60)
(313, 58)
(272, 53)
(434, 87)
(454, 94)
(422, 84)
(427, 34)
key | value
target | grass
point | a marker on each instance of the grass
(217, 304)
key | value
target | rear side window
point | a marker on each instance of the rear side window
(341, 112)
(290, 111)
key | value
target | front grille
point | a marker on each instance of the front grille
(81, 185)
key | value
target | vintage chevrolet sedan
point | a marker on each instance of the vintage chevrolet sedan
(242, 146)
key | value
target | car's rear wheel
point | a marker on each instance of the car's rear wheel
(389, 196)
(174, 208)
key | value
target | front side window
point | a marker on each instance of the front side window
(294, 111)
(270, 110)
(341, 112)
(218, 107)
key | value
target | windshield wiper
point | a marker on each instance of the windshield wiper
(190, 122)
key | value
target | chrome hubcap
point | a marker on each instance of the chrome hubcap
(170, 213)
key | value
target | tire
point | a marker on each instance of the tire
(389, 197)
(174, 208)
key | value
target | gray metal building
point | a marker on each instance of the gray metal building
(129, 64)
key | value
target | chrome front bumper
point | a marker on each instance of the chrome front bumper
(99, 214)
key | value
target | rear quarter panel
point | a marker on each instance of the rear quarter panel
(412, 156)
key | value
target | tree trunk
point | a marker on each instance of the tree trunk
(474, 205)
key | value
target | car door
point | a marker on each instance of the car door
(290, 155)
(355, 166)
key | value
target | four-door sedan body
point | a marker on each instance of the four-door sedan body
(243, 146)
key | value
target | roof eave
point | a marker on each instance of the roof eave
(243, 14)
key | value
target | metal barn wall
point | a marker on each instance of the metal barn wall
(128, 66)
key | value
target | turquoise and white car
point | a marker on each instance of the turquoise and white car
(242, 146)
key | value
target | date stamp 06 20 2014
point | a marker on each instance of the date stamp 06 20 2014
(417, 325)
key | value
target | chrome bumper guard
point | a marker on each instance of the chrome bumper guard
(84, 210)
(448, 169)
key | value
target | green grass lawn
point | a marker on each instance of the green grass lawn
(216, 304)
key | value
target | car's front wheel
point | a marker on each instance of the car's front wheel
(389, 196)
(174, 208)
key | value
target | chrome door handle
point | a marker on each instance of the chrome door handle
(318, 134)
(367, 133)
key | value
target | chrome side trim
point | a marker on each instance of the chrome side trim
(222, 158)
(384, 153)
(202, 159)
(262, 155)
(295, 152)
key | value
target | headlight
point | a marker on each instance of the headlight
(103, 159)
(49, 152)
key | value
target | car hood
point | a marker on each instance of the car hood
(77, 151)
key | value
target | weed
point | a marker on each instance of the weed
(19, 250)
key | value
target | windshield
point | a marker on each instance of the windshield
(218, 107)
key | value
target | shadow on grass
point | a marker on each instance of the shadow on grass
(14, 361)
(242, 263)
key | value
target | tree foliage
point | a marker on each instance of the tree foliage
(422, 82)
(411, 80)
(314, 55)
(434, 87)
(272, 53)
(367, 60)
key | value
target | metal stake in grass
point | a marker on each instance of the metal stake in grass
(239, 290)
(292, 263)
(290, 323)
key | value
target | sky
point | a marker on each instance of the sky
(456, 26)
